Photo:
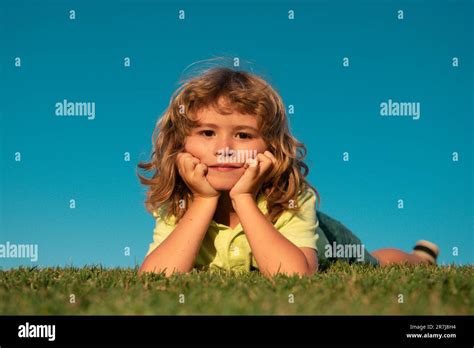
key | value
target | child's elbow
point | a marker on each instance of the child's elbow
(312, 268)
(300, 272)
(308, 272)
(165, 271)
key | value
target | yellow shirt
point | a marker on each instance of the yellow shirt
(229, 249)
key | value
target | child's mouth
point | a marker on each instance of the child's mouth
(225, 168)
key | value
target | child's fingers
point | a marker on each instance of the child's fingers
(186, 163)
(274, 166)
(271, 156)
(181, 157)
(265, 163)
(251, 166)
(249, 162)
(190, 163)
(201, 169)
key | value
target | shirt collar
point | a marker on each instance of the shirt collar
(261, 204)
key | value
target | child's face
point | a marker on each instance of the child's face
(224, 140)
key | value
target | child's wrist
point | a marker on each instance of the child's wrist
(205, 198)
(242, 198)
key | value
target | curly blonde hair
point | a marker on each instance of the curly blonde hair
(245, 93)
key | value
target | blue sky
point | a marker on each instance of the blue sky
(337, 109)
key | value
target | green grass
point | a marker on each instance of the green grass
(339, 289)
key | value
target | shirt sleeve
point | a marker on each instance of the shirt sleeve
(300, 228)
(163, 228)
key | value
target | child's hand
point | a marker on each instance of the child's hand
(254, 176)
(194, 173)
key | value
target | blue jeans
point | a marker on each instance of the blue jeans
(337, 242)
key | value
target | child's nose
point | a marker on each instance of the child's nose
(224, 143)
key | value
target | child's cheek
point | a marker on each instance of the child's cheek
(192, 146)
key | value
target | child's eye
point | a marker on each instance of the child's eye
(244, 135)
(207, 133)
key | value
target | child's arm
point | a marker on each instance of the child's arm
(273, 252)
(179, 250)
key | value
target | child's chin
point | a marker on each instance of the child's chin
(222, 184)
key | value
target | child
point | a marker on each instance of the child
(229, 189)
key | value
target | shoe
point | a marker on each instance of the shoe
(427, 251)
